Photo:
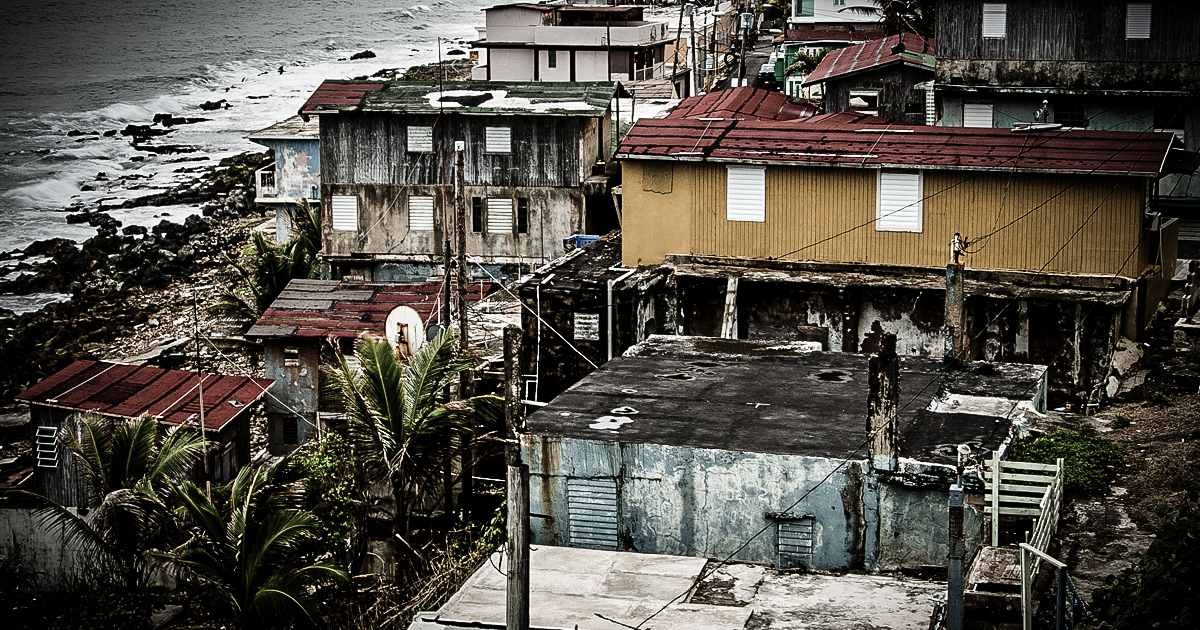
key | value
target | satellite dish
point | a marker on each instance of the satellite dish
(404, 330)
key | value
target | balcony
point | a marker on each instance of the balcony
(264, 184)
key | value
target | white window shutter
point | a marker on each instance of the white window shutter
(420, 139)
(746, 194)
(499, 216)
(978, 115)
(420, 213)
(995, 20)
(898, 204)
(344, 212)
(1137, 21)
(497, 140)
(930, 105)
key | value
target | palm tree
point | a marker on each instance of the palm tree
(245, 554)
(129, 476)
(273, 266)
(400, 434)
(902, 16)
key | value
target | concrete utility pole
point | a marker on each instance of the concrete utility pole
(465, 382)
(954, 568)
(694, 69)
(956, 330)
(517, 601)
(883, 403)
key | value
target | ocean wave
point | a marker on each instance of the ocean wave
(21, 304)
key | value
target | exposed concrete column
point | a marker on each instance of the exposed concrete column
(729, 322)
(883, 403)
(957, 338)
(954, 568)
(850, 311)
(517, 589)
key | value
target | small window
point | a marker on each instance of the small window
(291, 356)
(805, 8)
(345, 212)
(1169, 119)
(1137, 21)
(498, 140)
(499, 216)
(551, 58)
(795, 543)
(977, 115)
(522, 216)
(995, 20)
(1071, 115)
(420, 213)
(291, 433)
(746, 194)
(864, 101)
(420, 139)
(476, 214)
(898, 202)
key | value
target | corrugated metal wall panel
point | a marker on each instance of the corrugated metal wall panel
(592, 513)
(344, 212)
(420, 213)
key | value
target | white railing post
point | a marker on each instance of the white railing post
(996, 498)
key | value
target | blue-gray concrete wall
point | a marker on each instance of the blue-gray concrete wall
(297, 168)
(707, 503)
(294, 396)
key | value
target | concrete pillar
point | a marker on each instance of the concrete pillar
(517, 477)
(954, 567)
(957, 337)
(883, 403)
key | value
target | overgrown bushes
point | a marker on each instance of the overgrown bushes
(1090, 460)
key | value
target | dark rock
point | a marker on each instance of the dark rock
(209, 106)
(253, 98)
(75, 132)
(167, 149)
(53, 247)
(110, 133)
(131, 230)
(456, 51)
(366, 54)
(143, 132)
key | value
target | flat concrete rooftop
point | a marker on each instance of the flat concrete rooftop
(783, 398)
(571, 588)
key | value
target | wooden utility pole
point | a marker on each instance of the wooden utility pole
(465, 381)
(517, 604)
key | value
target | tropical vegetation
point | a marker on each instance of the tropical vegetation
(271, 267)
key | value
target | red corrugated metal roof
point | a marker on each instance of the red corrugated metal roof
(130, 391)
(329, 308)
(814, 35)
(743, 102)
(825, 141)
(874, 54)
(347, 94)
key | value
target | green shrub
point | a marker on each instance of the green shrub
(106, 605)
(329, 488)
(1089, 460)
(1120, 422)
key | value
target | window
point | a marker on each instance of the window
(805, 8)
(1169, 119)
(592, 513)
(746, 194)
(46, 443)
(420, 213)
(898, 202)
(864, 101)
(1137, 21)
(795, 543)
(930, 105)
(291, 433)
(291, 356)
(551, 58)
(476, 214)
(345, 212)
(1071, 115)
(499, 216)
(977, 115)
(497, 140)
(522, 216)
(420, 139)
(995, 20)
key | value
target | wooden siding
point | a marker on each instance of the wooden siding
(547, 151)
(827, 214)
(898, 100)
(1069, 30)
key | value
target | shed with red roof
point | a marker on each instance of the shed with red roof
(879, 77)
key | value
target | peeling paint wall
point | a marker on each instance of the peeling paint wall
(904, 544)
(295, 393)
(297, 168)
(702, 502)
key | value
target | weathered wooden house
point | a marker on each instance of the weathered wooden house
(840, 227)
(533, 171)
(541, 42)
(294, 175)
(878, 78)
(172, 397)
(301, 329)
(1094, 64)
(769, 452)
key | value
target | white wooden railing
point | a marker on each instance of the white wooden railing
(1025, 489)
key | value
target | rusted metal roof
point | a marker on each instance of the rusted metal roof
(293, 128)
(131, 391)
(815, 35)
(331, 308)
(826, 141)
(744, 102)
(917, 52)
(491, 98)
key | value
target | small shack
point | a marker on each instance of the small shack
(172, 397)
(879, 78)
(766, 452)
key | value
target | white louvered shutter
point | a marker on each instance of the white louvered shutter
(498, 140)
(499, 216)
(1137, 21)
(746, 194)
(344, 212)
(977, 115)
(930, 105)
(899, 202)
(592, 513)
(995, 20)
(420, 139)
(420, 213)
